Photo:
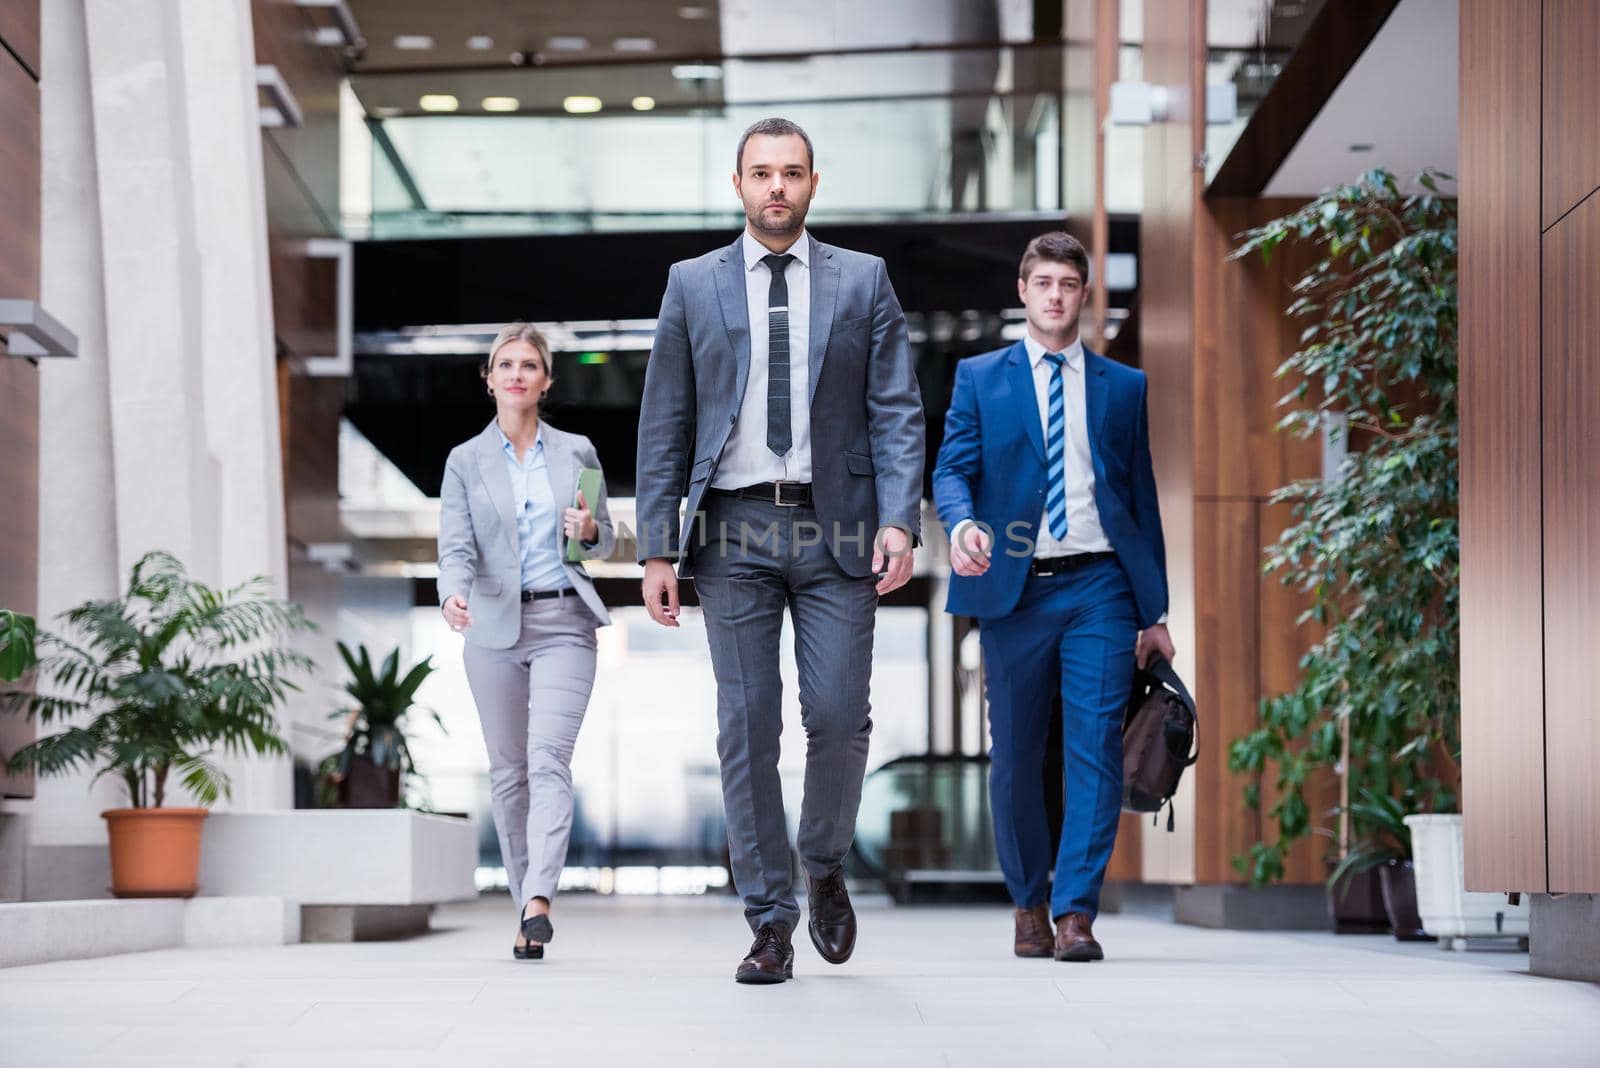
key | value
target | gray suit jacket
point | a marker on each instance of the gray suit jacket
(867, 438)
(479, 557)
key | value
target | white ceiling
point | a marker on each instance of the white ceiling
(1400, 98)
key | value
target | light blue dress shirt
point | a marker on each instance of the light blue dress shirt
(538, 517)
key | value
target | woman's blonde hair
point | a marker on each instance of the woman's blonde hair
(519, 331)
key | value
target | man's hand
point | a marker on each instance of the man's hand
(969, 550)
(1154, 640)
(455, 613)
(661, 584)
(891, 554)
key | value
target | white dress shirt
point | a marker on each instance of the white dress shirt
(538, 520)
(746, 459)
(1084, 534)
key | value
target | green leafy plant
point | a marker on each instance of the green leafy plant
(376, 729)
(18, 637)
(159, 678)
(1376, 546)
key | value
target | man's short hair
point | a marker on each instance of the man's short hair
(1057, 246)
(775, 128)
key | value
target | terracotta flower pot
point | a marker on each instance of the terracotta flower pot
(155, 852)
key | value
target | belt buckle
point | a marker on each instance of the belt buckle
(777, 497)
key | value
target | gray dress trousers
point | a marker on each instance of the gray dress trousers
(531, 699)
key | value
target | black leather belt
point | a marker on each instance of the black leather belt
(1045, 566)
(545, 595)
(783, 494)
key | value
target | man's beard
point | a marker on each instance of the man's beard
(791, 224)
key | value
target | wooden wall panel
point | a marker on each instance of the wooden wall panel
(19, 379)
(1227, 692)
(1571, 533)
(1571, 104)
(19, 31)
(1166, 238)
(19, 183)
(1501, 623)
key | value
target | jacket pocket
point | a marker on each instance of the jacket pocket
(701, 469)
(858, 464)
(486, 585)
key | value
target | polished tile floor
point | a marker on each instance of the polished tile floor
(648, 981)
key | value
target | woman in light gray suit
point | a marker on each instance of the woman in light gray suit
(508, 509)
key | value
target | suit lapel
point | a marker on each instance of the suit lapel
(1024, 397)
(735, 313)
(496, 482)
(562, 466)
(824, 298)
(1095, 390)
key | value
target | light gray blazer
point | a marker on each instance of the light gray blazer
(867, 437)
(479, 556)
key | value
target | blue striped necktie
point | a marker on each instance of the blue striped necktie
(1055, 450)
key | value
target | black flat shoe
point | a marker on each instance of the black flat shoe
(536, 930)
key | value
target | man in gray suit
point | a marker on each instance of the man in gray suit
(780, 399)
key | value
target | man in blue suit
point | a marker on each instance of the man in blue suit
(1045, 483)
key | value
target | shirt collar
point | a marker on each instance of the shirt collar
(754, 250)
(510, 449)
(1036, 351)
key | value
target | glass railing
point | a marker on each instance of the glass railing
(920, 134)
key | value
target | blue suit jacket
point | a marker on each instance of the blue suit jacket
(991, 468)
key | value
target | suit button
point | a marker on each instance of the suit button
(732, 419)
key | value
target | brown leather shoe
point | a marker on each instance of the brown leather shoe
(833, 921)
(1033, 938)
(771, 957)
(1074, 939)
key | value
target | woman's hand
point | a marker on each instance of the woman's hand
(579, 523)
(456, 614)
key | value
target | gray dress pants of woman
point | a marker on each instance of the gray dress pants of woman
(531, 699)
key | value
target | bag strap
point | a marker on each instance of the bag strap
(1161, 669)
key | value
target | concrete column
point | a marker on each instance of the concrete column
(164, 433)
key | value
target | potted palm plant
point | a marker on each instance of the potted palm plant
(368, 771)
(151, 685)
(17, 640)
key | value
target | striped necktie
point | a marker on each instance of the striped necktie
(1055, 450)
(779, 436)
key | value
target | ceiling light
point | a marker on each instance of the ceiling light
(581, 105)
(634, 44)
(480, 43)
(1361, 146)
(387, 112)
(691, 72)
(439, 102)
(694, 11)
(501, 103)
(413, 42)
(569, 43)
(644, 103)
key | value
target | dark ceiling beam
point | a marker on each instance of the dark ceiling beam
(1332, 43)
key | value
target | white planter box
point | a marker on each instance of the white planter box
(1449, 911)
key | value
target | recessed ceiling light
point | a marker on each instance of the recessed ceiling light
(1361, 146)
(569, 43)
(387, 112)
(693, 11)
(644, 103)
(634, 44)
(413, 42)
(581, 105)
(501, 103)
(439, 102)
(691, 72)
(480, 43)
